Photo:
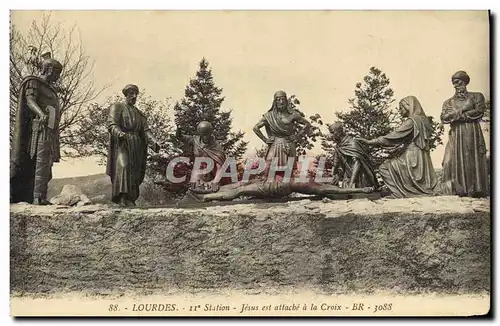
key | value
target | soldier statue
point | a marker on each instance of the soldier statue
(35, 142)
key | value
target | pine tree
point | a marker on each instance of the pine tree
(371, 115)
(202, 101)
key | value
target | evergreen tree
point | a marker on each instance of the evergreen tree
(202, 101)
(371, 116)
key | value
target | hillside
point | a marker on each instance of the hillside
(96, 186)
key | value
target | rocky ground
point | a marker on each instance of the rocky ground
(432, 244)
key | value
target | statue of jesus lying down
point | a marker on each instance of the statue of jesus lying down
(262, 189)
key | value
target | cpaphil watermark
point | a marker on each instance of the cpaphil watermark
(303, 169)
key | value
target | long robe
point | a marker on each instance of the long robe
(346, 153)
(22, 163)
(465, 166)
(412, 173)
(126, 164)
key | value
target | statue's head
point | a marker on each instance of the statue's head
(404, 109)
(131, 92)
(281, 101)
(410, 106)
(204, 129)
(336, 129)
(51, 70)
(460, 80)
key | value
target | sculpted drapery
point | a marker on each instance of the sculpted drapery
(127, 153)
(465, 167)
(412, 173)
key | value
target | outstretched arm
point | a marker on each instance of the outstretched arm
(395, 138)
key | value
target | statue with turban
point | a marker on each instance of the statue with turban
(35, 142)
(128, 148)
(465, 167)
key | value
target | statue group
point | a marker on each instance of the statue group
(35, 147)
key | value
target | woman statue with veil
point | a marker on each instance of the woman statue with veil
(412, 173)
(280, 122)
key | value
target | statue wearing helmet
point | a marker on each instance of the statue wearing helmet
(35, 139)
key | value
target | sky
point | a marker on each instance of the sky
(317, 55)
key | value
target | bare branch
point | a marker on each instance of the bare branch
(76, 87)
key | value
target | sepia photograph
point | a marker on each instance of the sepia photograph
(250, 163)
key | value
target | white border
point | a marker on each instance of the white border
(189, 5)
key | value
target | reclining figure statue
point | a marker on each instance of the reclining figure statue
(266, 189)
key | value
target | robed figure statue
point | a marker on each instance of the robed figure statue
(465, 167)
(410, 174)
(35, 141)
(128, 148)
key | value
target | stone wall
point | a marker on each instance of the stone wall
(360, 246)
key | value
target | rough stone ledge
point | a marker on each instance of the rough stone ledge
(435, 205)
(434, 244)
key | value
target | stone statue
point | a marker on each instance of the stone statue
(351, 157)
(35, 143)
(127, 154)
(412, 173)
(205, 145)
(280, 123)
(465, 167)
(266, 189)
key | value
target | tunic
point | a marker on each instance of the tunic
(279, 129)
(465, 167)
(126, 164)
